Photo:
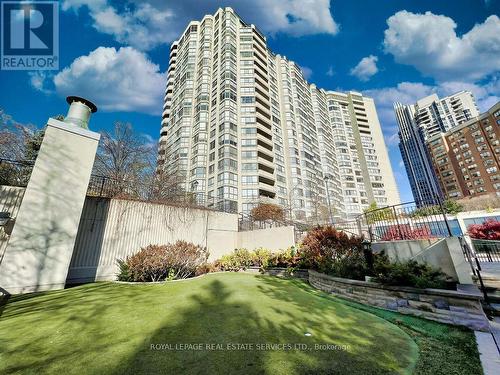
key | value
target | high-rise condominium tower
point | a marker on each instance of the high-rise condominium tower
(242, 125)
(420, 121)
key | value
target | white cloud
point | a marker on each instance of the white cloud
(430, 43)
(294, 17)
(330, 72)
(141, 25)
(392, 139)
(116, 80)
(38, 80)
(145, 25)
(307, 72)
(366, 68)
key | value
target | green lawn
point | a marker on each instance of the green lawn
(109, 328)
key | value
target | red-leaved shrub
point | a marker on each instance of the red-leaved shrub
(489, 230)
(334, 252)
(159, 262)
(405, 232)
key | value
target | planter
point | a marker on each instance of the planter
(445, 306)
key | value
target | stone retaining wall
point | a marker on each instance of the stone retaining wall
(445, 306)
(282, 272)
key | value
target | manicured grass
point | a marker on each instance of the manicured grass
(109, 328)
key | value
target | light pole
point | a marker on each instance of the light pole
(326, 179)
(194, 187)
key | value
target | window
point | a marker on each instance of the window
(227, 178)
(228, 164)
(227, 192)
(248, 142)
(249, 166)
(248, 154)
(250, 193)
(249, 180)
(228, 139)
(247, 99)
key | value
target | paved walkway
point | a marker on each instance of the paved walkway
(488, 350)
(491, 270)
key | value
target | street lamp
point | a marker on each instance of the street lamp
(327, 178)
(194, 187)
(367, 252)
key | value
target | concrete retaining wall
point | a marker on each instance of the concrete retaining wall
(445, 253)
(440, 305)
(270, 238)
(112, 229)
(10, 201)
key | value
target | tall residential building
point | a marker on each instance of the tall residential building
(242, 125)
(420, 121)
(467, 157)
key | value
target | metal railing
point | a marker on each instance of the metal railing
(404, 221)
(486, 250)
(106, 187)
(471, 256)
(15, 172)
(246, 223)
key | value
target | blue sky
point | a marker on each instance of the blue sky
(116, 54)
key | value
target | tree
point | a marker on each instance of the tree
(449, 206)
(19, 146)
(267, 211)
(374, 214)
(452, 207)
(128, 160)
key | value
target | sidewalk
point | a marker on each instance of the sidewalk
(488, 351)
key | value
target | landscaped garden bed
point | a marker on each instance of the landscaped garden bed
(234, 323)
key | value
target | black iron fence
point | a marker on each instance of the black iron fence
(471, 256)
(404, 221)
(246, 222)
(106, 187)
(486, 250)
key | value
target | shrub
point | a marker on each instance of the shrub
(205, 268)
(263, 258)
(237, 260)
(267, 211)
(374, 214)
(409, 273)
(160, 262)
(333, 252)
(260, 257)
(405, 232)
(489, 230)
(450, 206)
(124, 271)
(285, 258)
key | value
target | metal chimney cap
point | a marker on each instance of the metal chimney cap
(88, 103)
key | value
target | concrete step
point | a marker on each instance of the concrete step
(488, 280)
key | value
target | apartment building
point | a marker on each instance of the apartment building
(466, 158)
(241, 125)
(420, 121)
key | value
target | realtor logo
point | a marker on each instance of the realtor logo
(30, 35)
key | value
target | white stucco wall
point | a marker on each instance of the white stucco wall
(42, 240)
(274, 239)
(10, 201)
